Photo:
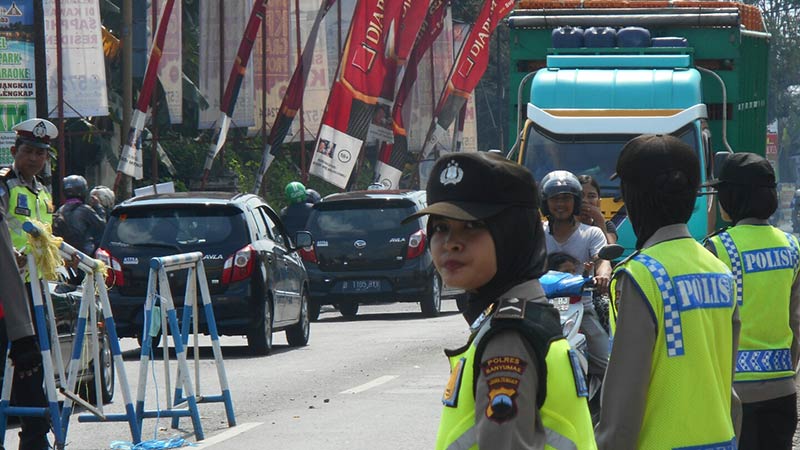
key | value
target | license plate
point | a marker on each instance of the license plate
(560, 303)
(361, 285)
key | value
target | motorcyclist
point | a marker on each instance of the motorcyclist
(295, 215)
(75, 221)
(562, 195)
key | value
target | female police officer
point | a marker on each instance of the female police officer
(764, 261)
(514, 384)
(671, 361)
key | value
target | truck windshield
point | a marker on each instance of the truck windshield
(583, 154)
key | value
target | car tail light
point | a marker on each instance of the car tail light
(416, 244)
(115, 275)
(239, 266)
(308, 254)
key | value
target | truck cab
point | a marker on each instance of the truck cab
(584, 103)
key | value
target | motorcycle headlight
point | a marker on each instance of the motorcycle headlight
(570, 323)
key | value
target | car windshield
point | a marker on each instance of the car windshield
(346, 218)
(176, 226)
(583, 154)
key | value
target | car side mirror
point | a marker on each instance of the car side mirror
(302, 239)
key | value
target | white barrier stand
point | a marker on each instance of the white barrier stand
(158, 281)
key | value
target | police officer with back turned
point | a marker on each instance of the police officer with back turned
(669, 378)
(765, 263)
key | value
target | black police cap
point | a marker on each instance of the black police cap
(476, 186)
(746, 169)
(645, 157)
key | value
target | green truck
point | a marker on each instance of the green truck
(573, 108)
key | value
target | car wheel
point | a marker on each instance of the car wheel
(348, 310)
(260, 339)
(297, 335)
(107, 374)
(431, 305)
(314, 309)
(154, 341)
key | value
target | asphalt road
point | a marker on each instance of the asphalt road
(371, 383)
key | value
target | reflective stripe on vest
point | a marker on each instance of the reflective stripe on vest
(728, 445)
(672, 316)
(736, 263)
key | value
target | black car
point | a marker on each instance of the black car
(257, 281)
(363, 254)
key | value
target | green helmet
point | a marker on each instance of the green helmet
(295, 192)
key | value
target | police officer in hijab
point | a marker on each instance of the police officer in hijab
(677, 325)
(765, 262)
(514, 384)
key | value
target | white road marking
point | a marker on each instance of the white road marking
(228, 434)
(376, 382)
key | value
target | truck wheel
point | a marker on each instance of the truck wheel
(431, 305)
(259, 339)
(297, 335)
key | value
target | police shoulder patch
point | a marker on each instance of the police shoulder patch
(503, 392)
(510, 308)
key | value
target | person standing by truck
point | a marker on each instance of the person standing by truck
(765, 262)
(516, 384)
(669, 378)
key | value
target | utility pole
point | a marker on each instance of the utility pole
(127, 85)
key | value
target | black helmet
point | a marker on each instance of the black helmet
(75, 187)
(312, 196)
(560, 182)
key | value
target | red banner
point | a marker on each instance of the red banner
(392, 156)
(355, 92)
(467, 70)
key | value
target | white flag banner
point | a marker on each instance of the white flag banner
(170, 67)
(335, 156)
(130, 159)
(236, 14)
(83, 64)
(388, 176)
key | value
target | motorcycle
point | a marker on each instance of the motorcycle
(565, 292)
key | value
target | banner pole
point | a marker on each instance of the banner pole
(62, 171)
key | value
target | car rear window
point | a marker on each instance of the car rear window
(177, 225)
(345, 217)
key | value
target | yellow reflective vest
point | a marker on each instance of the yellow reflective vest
(23, 205)
(690, 294)
(764, 262)
(564, 412)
